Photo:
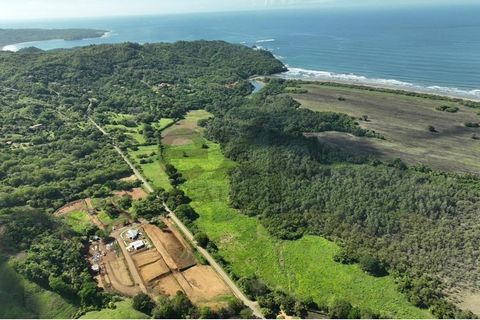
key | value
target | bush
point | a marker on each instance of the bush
(246, 313)
(202, 239)
(472, 124)
(143, 303)
(345, 256)
(371, 265)
(447, 109)
(432, 129)
(339, 309)
(253, 287)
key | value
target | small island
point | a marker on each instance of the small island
(13, 36)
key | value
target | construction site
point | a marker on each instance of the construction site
(157, 261)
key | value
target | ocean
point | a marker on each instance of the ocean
(428, 49)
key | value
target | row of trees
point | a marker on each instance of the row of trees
(180, 307)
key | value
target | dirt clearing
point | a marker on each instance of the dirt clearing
(205, 283)
(167, 286)
(135, 193)
(78, 205)
(171, 248)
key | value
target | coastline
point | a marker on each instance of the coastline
(326, 77)
(14, 47)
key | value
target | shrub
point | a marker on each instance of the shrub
(472, 124)
(371, 265)
(432, 129)
(143, 303)
(202, 239)
(339, 309)
(345, 256)
(451, 109)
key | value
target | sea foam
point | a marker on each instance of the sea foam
(305, 74)
(265, 40)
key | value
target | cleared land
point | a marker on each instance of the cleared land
(304, 267)
(135, 193)
(154, 169)
(79, 221)
(404, 122)
(182, 255)
(134, 133)
(168, 267)
(77, 205)
(185, 131)
(206, 285)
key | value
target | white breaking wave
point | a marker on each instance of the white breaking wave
(266, 40)
(107, 34)
(304, 74)
(10, 47)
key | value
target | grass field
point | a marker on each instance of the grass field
(78, 221)
(404, 122)
(304, 267)
(154, 171)
(123, 310)
(134, 133)
(20, 298)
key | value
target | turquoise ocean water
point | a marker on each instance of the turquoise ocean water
(432, 49)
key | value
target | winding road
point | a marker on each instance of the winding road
(230, 283)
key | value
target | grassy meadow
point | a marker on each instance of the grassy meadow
(154, 170)
(404, 122)
(123, 310)
(304, 267)
(78, 221)
(134, 133)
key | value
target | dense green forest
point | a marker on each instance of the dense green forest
(416, 223)
(52, 154)
(11, 36)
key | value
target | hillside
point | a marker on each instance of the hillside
(12, 36)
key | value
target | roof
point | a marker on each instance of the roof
(96, 267)
(137, 244)
(132, 234)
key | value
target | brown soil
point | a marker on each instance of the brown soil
(130, 178)
(135, 193)
(120, 272)
(470, 301)
(206, 284)
(146, 257)
(78, 205)
(176, 141)
(181, 254)
(154, 271)
(167, 286)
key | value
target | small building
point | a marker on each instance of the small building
(137, 245)
(132, 234)
(96, 268)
